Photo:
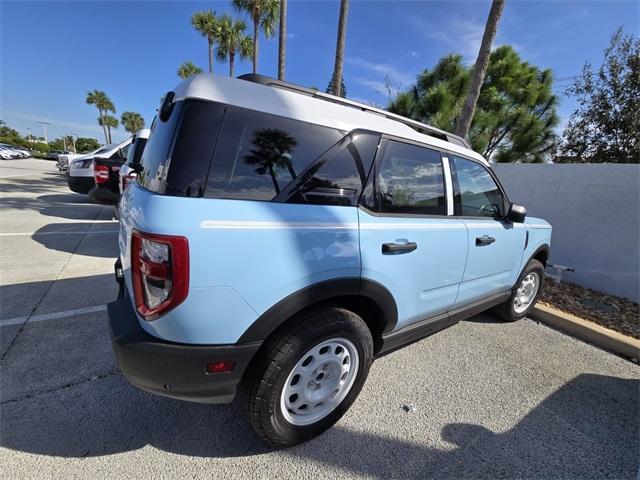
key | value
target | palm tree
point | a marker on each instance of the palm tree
(263, 14)
(206, 23)
(132, 122)
(273, 148)
(104, 104)
(282, 39)
(188, 69)
(480, 68)
(340, 43)
(233, 41)
(108, 122)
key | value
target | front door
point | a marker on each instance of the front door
(495, 244)
(407, 241)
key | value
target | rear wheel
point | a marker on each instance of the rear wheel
(309, 376)
(525, 294)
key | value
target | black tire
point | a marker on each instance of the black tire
(506, 310)
(263, 390)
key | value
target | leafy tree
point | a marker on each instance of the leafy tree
(340, 45)
(515, 114)
(282, 39)
(11, 136)
(108, 122)
(480, 67)
(104, 105)
(85, 144)
(233, 41)
(206, 23)
(188, 69)
(606, 125)
(263, 15)
(272, 152)
(343, 88)
(132, 122)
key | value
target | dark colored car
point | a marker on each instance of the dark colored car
(53, 154)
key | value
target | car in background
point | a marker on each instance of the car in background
(21, 151)
(65, 160)
(7, 153)
(80, 178)
(129, 171)
(53, 154)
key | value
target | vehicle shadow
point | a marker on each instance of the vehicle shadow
(80, 238)
(586, 429)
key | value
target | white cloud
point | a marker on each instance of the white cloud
(377, 73)
(414, 54)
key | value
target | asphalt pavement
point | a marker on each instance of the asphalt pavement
(482, 399)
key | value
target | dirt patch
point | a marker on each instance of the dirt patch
(616, 313)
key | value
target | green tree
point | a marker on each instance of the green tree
(108, 122)
(104, 105)
(233, 41)
(272, 152)
(188, 69)
(606, 125)
(86, 144)
(340, 46)
(263, 15)
(480, 67)
(132, 122)
(515, 114)
(206, 23)
(343, 88)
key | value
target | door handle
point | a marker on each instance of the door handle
(484, 240)
(399, 247)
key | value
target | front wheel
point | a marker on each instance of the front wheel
(309, 376)
(525, 294)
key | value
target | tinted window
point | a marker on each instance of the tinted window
(476, 193)
(258, 154)
(340, 175)
(409, 179)
(135, 151)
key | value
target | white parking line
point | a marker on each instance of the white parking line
(52, 316)
(28, 234)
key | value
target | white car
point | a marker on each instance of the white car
(7, 152)
(130, 169)
(80, 178)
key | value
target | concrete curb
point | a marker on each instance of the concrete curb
(589, 331)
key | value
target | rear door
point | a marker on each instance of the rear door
(407, 241)
(495, 244)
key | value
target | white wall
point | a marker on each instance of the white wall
(594, 212)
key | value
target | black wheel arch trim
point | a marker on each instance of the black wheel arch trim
(542, 248)
(321, 292)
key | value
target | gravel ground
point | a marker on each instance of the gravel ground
(483, 399)
(616, 313)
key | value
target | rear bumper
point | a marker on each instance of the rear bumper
(80, 184)
(103, 196)
(171, 369)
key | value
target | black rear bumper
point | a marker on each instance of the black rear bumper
(172, 369)
(103, 196)
(80, 184)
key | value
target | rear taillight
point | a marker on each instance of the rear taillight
(101, 173)
(160, 271)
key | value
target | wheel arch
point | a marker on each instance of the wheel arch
(541, 254)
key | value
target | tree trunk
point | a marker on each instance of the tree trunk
(480, 68)
(232, 58)
(273, 178)
(210, 57)
(109, 130)
(255, 45)
(282, 40)
(340, 43)
(104, 127)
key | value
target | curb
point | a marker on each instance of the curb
(589, 331)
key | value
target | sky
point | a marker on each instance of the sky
(53, 53)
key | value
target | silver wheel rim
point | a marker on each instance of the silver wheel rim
(319, 381)
(526, 293)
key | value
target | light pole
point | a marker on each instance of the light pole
(29, 134)
(73, 138)
(44, 125)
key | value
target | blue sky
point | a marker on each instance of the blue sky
(53, 53)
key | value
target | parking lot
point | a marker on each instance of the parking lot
(481, 399)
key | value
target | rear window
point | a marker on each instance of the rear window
(258, 155)
(135, 151)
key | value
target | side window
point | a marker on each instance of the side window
(258, 155)
(409, 179)
(340, 175)
(476, 193)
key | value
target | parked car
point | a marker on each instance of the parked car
(80, 178)
(107, 172)
(20, 152)
(278, 239)
(53, 154)
(7, 153)
(65, 160)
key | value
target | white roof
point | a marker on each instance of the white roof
(277, 101)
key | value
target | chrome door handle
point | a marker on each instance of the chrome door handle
(484, 240)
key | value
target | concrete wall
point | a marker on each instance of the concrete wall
(594, 210)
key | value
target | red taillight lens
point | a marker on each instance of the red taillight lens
(100, 173)
(220, 367)
(160, 271)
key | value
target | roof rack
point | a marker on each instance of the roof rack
(418, 126)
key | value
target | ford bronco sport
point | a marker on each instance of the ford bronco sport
(277, 239)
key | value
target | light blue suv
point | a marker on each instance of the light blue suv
(278, 239)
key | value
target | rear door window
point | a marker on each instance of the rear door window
(258, 155)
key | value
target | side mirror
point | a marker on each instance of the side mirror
(517, 213)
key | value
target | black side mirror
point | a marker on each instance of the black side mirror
(517, 213)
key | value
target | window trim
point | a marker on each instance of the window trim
(384, 140)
